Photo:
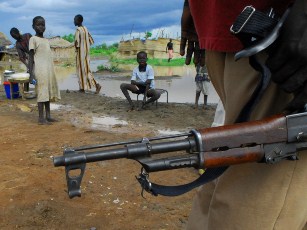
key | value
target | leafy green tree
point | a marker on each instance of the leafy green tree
(148, 35)
(69, 37)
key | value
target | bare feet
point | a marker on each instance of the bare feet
(131, 108)
(98, 88)
(81, 91)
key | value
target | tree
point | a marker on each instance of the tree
(69, 37)
(148, 35)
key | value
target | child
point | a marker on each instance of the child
(83, 41)
(22, 47)
(142, 82)
(202, 84)
(169, 49)
(41, 70)
(22, 44)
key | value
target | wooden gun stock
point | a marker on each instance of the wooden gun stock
(270, 130)
(240, 143)
(269, 140)
(233, 156)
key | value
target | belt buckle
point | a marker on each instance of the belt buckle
(251, 10)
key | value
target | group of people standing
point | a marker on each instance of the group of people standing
(38, 60)
(247, 196)
(35, 53)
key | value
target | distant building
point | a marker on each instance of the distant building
(62, 50)
(4, 43)
(154, 48)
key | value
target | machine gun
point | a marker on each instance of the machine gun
(267, 141)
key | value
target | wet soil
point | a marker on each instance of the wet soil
(34, 192)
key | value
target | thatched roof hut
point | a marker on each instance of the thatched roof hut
(4, 41)
(154, 48)
(62, 50)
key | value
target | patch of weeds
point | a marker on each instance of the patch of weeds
(111, 68)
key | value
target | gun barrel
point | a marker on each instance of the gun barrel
(71, 158)
(131, 151)
(88, 147)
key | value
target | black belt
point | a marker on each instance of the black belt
(256, 30)
(252, 25)
(247, 28)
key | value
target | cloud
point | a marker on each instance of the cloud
(34, 5)
(106, 19)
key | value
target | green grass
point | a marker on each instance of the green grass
(152, 61)
(109, 51)
(103, 50)
(112, 68)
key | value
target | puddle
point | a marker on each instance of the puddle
(180, 84)
(98, 123)
(54, 106)
(107, 122)
(95, 63)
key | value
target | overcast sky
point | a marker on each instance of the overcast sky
(108, 21)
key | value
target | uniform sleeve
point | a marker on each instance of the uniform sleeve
(150, 73)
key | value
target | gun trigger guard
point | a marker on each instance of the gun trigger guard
(143, 179)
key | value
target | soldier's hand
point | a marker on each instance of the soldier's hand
(288, 56)
(189, 40)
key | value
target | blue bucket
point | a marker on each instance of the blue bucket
(8, 90)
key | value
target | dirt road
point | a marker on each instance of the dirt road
(34, 193)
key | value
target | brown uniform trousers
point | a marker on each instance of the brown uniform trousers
(250, 196)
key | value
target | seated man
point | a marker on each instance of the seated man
(142, 82)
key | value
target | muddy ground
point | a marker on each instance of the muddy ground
(34, 192)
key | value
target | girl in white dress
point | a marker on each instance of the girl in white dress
(42, 73)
